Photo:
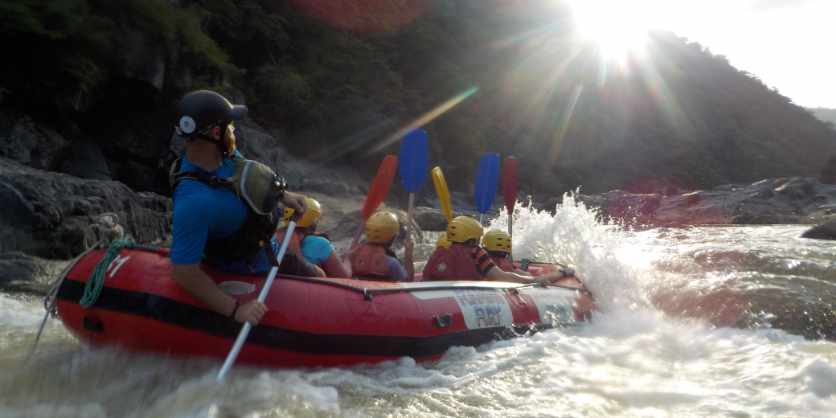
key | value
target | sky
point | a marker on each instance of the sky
(789, 44)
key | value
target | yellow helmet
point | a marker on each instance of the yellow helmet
(497, 240)
(442, 242)
(464, 228)
(311, 216)
(382, 227)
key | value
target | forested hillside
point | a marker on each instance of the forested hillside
(335, 80)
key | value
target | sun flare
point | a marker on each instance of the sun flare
(618, 28)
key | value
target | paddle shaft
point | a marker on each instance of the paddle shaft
(511, 228)
(245, 330)
(410, 210)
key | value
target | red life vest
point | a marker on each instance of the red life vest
(503, 262)
(295, 240)
(458, 262)
(369, 260)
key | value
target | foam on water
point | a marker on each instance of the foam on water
(633, 360)
(574, 236)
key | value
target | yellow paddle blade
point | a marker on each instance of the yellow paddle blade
(443, 193)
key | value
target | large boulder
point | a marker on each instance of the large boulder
(430, 219)
(56, 215)
(17, 266)
(823, 231)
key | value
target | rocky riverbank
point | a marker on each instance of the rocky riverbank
(793, 200)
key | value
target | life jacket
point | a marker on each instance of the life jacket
(502, 260)
(295, 239)
(260, 188)
(370, 260)
(456, 262)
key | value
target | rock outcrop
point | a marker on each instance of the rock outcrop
(56, 215)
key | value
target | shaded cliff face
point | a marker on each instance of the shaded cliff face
(97, 99)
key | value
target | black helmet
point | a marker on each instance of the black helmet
(203, 109)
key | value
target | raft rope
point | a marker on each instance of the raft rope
(94, 285)
(51, 296)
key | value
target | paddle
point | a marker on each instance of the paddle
(509, 189)
(414, 157)
(443, 193)
(486, 182)
(378, 190)
(245, 330)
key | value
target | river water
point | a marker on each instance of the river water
(700, 322)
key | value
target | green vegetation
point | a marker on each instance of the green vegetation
(336, 83)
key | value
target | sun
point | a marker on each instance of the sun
(618, 28)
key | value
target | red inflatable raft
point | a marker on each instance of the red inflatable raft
(311, 321)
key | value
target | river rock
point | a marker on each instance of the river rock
(823, 231)
(430, 219)
(21, 272)
(56, 215)
(17, 266)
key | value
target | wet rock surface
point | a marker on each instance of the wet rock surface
(823, 231)
(56, 215)
(21, 272)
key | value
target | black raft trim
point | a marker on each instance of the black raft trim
(169, 311)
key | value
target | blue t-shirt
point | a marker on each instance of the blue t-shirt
(316, 249)
(203, 213)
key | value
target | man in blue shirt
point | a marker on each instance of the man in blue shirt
(211, 221)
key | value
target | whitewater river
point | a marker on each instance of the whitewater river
(700, 322)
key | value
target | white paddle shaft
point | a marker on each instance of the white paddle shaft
(245, 330)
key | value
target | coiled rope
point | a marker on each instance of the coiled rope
(95, 284)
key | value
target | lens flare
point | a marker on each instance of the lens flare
(619, 29)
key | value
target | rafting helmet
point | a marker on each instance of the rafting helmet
(497, 240)
(202, 110)
(442, 241)
(382, 227)
(463, 229)
(313, 211)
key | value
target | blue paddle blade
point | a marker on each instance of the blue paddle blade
(413, 160)
(487, 179)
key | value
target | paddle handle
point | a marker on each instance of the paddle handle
(410, 210)
(262, 296)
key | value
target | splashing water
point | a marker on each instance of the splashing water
(656, 349)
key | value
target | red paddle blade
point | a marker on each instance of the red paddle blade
(509, 183)
(380, 185)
